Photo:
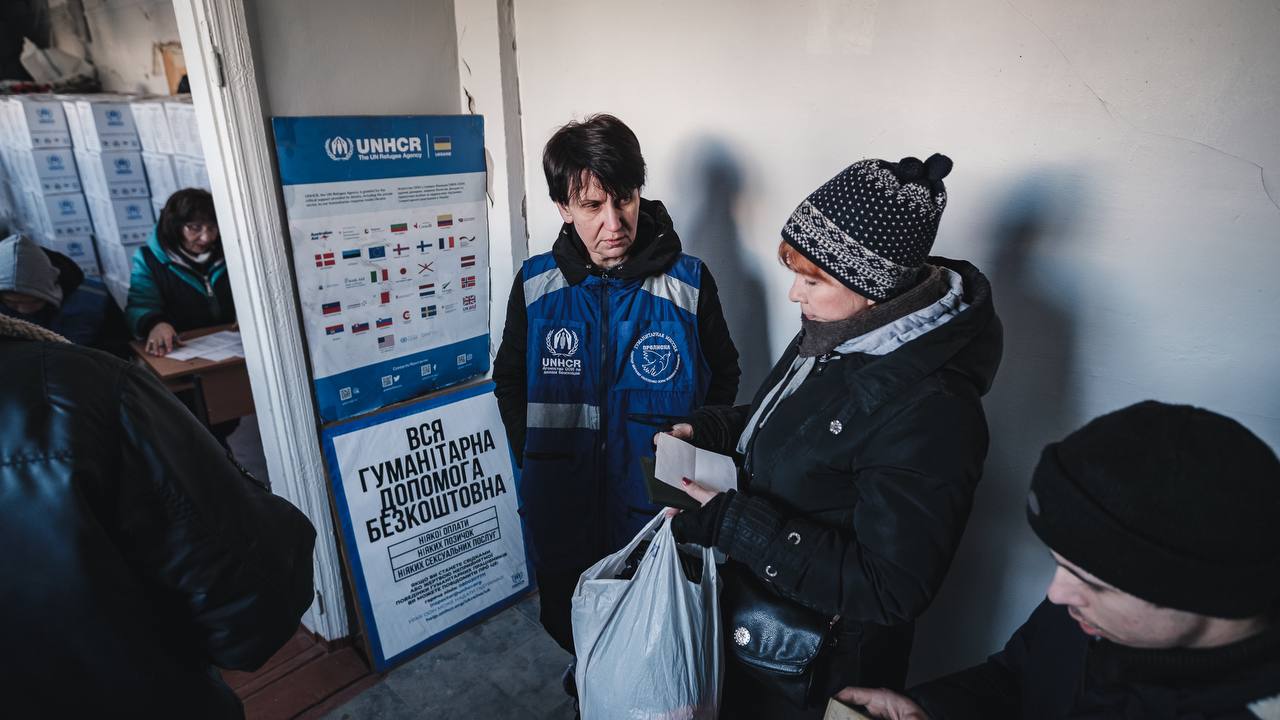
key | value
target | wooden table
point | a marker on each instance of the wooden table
(221, 388)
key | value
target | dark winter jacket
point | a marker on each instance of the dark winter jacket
(860, 483)
(137, 554)
(587, 467)
(1050, 670)
(162, 288)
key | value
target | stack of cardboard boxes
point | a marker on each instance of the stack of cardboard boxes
(41, 193)
(87, 175)
(170, 146)
(109, 156)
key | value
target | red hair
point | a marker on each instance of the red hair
(797, 263)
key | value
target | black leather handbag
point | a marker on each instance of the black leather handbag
(777, 641)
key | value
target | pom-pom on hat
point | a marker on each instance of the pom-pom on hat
(871, 227)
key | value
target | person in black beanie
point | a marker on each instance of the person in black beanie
(861, 451)
(1165, 602)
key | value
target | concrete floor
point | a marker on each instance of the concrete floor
(505, 667)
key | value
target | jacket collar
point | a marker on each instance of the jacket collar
(654, 251)
(11, 328)
(172, 259)
(970, 342)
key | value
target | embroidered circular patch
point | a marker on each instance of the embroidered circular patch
(655, 357)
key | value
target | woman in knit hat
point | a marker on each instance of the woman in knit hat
(862, 449)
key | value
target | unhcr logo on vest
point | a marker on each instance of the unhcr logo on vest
(655, 357)
(561, 345)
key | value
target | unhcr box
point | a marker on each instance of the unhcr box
(37, 121)
(72, 112)
(125, 221)
(47, 170)
(161, 177)
(181, 115)
(61, 215)
(113, 175)
(106, 121)
(153, 125)
(191, 172)
(77, 247)
(117, 259)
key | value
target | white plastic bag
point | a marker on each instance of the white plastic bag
(649, 648)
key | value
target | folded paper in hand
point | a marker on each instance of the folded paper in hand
(677, 459)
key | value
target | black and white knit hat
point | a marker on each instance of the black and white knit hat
(871, 226)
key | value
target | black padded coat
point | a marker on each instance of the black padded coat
(136, 554)
(861, 484)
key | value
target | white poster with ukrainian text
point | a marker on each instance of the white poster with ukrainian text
(426, 497)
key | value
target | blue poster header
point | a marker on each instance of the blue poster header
(371, 147)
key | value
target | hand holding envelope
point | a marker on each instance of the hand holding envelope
(677, 460)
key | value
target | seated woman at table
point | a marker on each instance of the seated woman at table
(179, 279)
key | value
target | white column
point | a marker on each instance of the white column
(233, 130)
(490, 87)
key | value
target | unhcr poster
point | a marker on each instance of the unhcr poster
(390, 251)
(426, 497)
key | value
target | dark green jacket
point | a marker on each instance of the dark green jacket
(163, 290)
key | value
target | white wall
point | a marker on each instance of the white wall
(1112, 166)
(372, 57)
(123, 39)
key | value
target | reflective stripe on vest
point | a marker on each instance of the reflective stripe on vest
(543, 283)
(563, 415)
(667, 287)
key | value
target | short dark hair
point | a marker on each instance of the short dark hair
(601, 146)
(186, 205)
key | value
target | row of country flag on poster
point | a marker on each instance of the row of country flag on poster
(384, 297)
(426, 312)
(327, 258)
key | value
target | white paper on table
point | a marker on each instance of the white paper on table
(677, 459)
(216, 346)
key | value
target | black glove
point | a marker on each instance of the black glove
(702, 526)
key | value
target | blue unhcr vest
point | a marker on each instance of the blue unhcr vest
(609, 362)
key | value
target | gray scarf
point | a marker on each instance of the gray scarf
(882, 339)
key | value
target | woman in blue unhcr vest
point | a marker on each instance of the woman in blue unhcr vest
(860, 452)
(611, 336)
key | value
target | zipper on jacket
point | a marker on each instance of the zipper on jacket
(604, 409)
(213, 299)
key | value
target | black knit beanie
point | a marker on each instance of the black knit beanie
(1174, 504)
(871, 226)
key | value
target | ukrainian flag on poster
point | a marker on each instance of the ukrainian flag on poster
(442, 146)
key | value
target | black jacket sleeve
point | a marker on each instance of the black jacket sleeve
(717, 346)
(717, 427)
(509, 372)
(231, 561)
(1036, 672)
(915, 491)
